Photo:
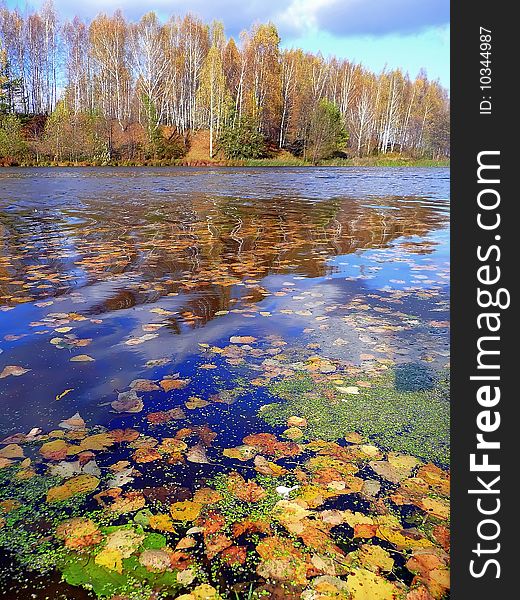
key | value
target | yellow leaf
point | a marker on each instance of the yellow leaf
(375, 558)
(77, 485)
(125, 541)
(206, 496)
(193, 402)
(185, 511)
(12, 451)
(55, 450)
(172, 446)
(98, 441)
(242, 453)
(111, 559)
(162, 523)
(436, 508)
(64, 393)
(365, 585)
(397, 537)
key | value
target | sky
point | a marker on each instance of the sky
(406, 34)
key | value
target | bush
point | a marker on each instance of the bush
(12, 143)
(242, 141)
(328, 135)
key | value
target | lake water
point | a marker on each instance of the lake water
(229, 281)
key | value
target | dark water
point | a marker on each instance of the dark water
(91, 259)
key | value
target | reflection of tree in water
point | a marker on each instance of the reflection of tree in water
(199, 247)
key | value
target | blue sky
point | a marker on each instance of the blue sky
(410, 34)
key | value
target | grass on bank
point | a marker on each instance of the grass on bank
(284, 161)
(198, 156)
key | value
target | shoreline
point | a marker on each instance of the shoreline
(354, 162)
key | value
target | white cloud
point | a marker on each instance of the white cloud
(296, 17)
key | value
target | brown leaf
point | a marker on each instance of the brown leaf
(215, 544)
(128, 402)
(197, 454)
(130, 502)
(144, 385)
(55, 450)
(146, 455)
(234, 555)
(163, 416)
(205, 434)
(124, 435)
(13, 370)
(173, 384)
(248, 491)
(79, 533)
(242, 339)
(247, 526)
(12, 451)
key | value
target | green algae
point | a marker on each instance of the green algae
(415, 422)
(235, 510)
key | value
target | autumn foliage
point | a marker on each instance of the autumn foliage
(118, 91)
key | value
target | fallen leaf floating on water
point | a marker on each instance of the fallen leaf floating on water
(144, 385)
(65, 469)
(135, 341)
(77, 485)
(111, 559)
(55, 450)
(130, 502)
(172, 445)
(242, 339)
(265, 467)
(128, 402)
(5, 462)
(82, 358)
(124, 435)
(297, 422)
(205, 434)
(98, 441)
(185, 511)
(375, 558)
(146, 455)
(11, 451)
(64, 393)
(206, 496)
(125, 541)
(193, 402)
(163, 416)
(162, 522)
(79, 533)
(13, 370)
(157, 362)
(155, 561)
(242, 453)
(201, 592)
(248, 491)
(366, 585)
(293, 433)
(234, 555)
(197, 454)
(173, 384)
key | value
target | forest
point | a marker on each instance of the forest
(110, 91)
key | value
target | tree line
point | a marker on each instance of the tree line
(110, 89)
